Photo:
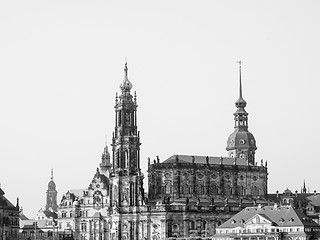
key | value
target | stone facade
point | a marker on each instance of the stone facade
(268, 223)
(188, 196)
(9, 218)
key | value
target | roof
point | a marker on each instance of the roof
(77, 192)
(284, 216)
(203, 160)
(315, 199)
(5, 203)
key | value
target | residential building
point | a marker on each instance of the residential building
(9, 218)
(268, 223)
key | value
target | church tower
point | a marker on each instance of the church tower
(241, 143)
(52, 193)
(105, 164)
(126, 177)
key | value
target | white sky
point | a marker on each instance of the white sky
(61, 63)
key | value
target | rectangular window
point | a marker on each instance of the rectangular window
(84, 227)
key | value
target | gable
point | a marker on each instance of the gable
(258, 219)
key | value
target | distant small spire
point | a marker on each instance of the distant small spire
(304, 186)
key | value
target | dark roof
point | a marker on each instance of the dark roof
(280, 216)
(23, 217)
(315, 199)
(203, 160)
(5, 203)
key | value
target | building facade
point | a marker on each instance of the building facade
(43, 225)
(268, 223)
(188, 196)
(9, 218)
(308, 203)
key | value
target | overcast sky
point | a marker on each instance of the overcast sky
(61, 63)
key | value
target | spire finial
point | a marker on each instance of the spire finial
(126, 84)
(51, 173)
(240, 85)
(126, 70)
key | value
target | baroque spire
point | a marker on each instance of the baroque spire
(241, 116)
(241, 143)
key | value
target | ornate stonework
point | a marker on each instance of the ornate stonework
(188, 196)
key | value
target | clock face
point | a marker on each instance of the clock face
(242, 141)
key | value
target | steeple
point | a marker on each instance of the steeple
(126, 140)
(52, 193)
(125, 167)
(105, 161)
(241, 143)
(241, 116)
(304, 190)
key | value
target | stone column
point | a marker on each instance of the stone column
(164, 229)
(148, 229)
(186, 228)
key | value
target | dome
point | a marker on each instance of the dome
(241, 140)
(51, 185)
(126, 85)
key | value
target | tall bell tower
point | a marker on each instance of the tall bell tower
(241, 143)
(126, 176)
(52, 193)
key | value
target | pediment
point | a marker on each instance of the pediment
(258, 219)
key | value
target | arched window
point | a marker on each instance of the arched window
(126, 159)
(214, 189)
(118, 158)
(168, 188)
(192, 225)
(241, 190)
(202, 189)
(204, 225)
(255, 191)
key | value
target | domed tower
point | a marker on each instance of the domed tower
(241, 143)
(52, 193)
(105, 162)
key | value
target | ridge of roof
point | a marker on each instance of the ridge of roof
(203, 160)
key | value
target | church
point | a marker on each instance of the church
(187, 196)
